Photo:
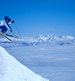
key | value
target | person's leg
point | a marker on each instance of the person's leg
(1, 29)
(4, 29)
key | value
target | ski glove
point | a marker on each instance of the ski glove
(12, 21)
(11, 30)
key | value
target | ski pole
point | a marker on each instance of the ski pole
(17, 31)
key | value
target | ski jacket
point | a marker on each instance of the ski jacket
(4, 23)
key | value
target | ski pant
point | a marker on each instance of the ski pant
(3, 29)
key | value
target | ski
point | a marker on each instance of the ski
(9, 35)
(6, 37)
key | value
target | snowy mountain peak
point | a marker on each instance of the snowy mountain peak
(44, 39)
(12, 70)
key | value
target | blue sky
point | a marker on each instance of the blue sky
(33, 17)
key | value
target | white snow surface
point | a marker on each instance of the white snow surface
(13, 70)
(52, 57)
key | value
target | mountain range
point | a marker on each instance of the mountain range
(43, 39)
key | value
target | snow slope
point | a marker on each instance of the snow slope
(52, 57)
(12, 70)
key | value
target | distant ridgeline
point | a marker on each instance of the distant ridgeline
(42, 39)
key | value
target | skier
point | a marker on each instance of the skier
(5, 25)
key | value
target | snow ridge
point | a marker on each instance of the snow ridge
(13, 70)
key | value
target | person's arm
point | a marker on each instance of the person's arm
(8, 26)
